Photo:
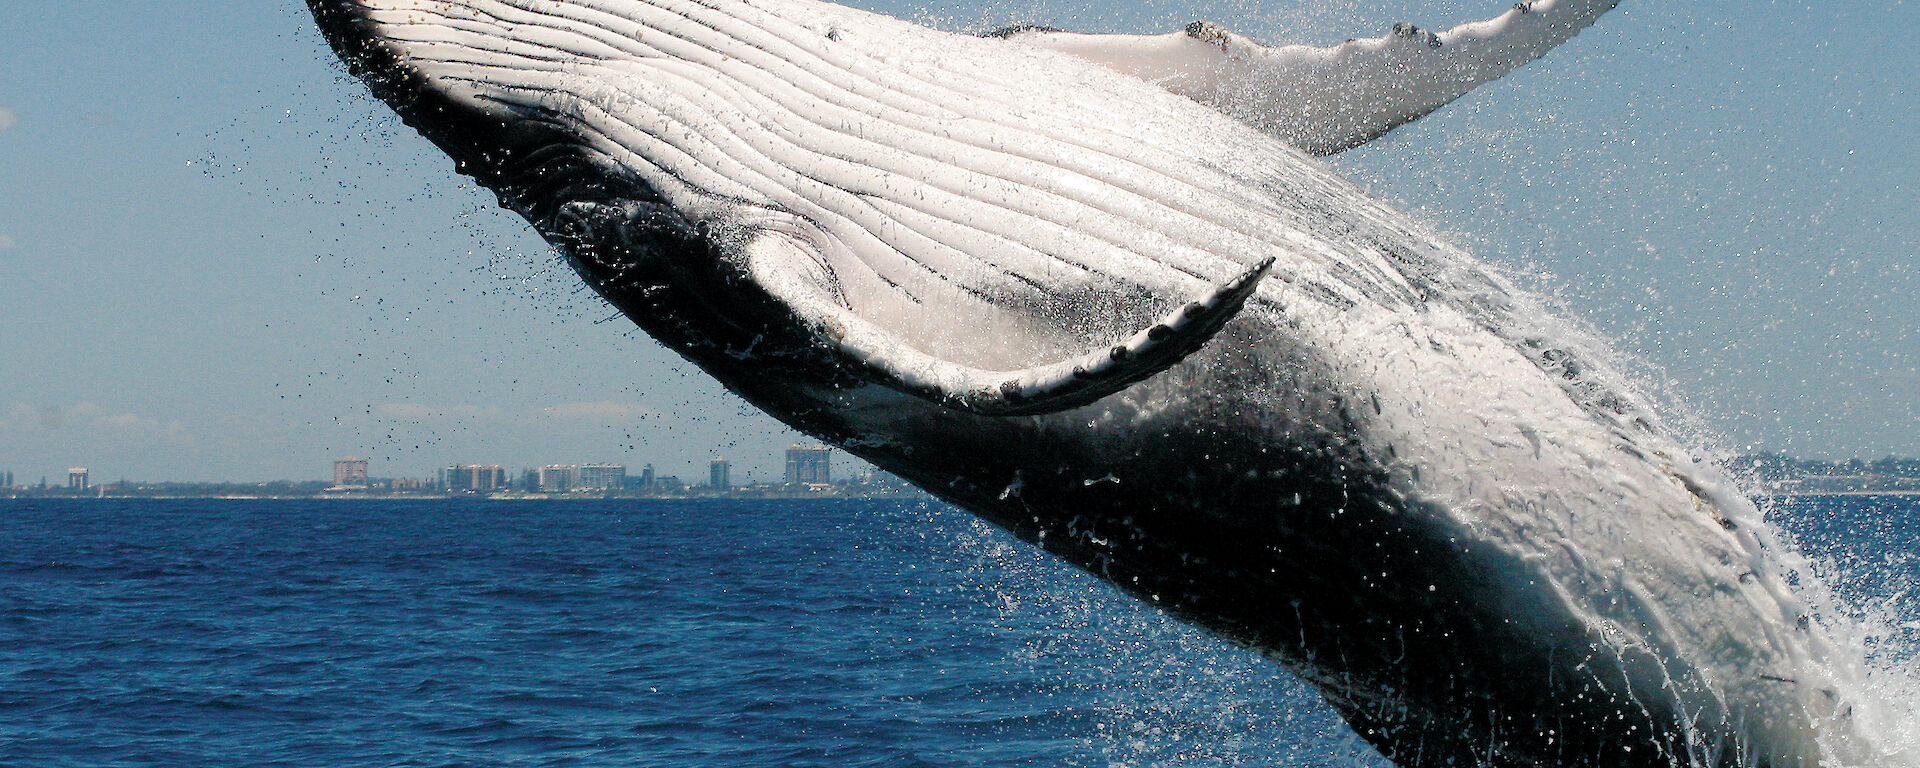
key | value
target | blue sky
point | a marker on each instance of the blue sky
(219, 259)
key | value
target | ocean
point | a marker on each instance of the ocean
(783, 633)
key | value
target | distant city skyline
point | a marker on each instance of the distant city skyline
(809, 471)
(803, 463)
(1763, 475)
(221, 259)
(701, 469)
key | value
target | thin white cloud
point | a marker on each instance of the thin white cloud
(8, 119)
(420, 412)
(132, 424)
(87, 420)
(605, 410)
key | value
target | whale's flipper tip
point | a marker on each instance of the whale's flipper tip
(1064, 385)
(872, 351)
(1323, 100)
(1159, 346)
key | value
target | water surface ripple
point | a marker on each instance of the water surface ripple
(622, 633)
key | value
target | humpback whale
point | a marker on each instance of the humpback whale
(1097, 290)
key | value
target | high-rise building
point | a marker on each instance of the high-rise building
(646, 476)
(602, 477)
(473, 478)
(808, 464)
(719, 474)
(77, 478)
(558, 478)
(350, 472)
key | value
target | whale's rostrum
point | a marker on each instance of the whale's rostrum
(1141, 327)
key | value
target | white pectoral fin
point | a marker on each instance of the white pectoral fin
(1324, 100)
(876, 353)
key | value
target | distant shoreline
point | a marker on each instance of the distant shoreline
(900, 496)
(1796, 494)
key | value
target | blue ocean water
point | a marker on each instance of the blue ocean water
(646, 633)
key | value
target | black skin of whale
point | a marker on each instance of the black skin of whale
(1277, 548)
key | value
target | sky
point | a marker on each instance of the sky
(221, 260)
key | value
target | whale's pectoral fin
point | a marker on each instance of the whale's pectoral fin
(1324, 100)
(780, 265)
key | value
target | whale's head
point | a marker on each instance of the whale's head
(740, 185)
